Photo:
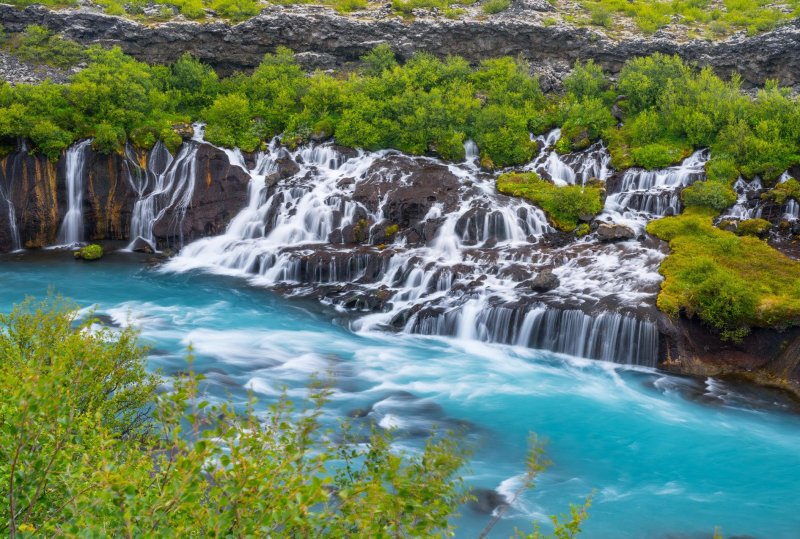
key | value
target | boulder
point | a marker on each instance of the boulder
(615, 232)
(545, 281)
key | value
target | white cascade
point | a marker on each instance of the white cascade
(462, 277)
(71, 231)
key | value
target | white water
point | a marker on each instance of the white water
(746, 193)
(16, 241)
(464, 277)
(647, 194)
(164, 187)
(72, 230)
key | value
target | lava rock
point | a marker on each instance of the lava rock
(486, 500)
(615, 232)
(545, 281)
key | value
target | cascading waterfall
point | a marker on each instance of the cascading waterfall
(575, 168)
(72, 229)
(167, 183)
(747, 202)
(792, 212)
(646, 194)
(458, 269)
(16, 241)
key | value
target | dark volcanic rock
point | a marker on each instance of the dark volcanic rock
(614, 232)
(545, 281)
(486, 500)
(220, 192)
(325, 39)
(30, 183)
(412, 186)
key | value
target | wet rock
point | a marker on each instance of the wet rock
(545, 281)
(141, 245)
(220, 192)
(486, 500)
(407, 189)
(614, 232)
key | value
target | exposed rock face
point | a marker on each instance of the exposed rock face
(36, 189)
(325, 39)
(412, 188)
(29, 182)
(220, 192)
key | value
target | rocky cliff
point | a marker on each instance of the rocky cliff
(325, 39)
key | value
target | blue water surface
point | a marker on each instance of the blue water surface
(663, 456)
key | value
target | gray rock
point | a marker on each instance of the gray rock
(545, 281)
(615, 232)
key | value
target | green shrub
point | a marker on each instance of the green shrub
(754, 227)
(90, 252)
(586, 80)
(565, 206)
(709, 194)
(378, 60)
(39, 45)
(784, 191)
(657, 155)
(495, 6)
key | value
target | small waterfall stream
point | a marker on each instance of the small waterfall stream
(72, 228)
(643, 195)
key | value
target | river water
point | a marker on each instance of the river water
(665, 456)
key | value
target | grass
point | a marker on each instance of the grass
(732, 283)
(716, 18)
(491, 7)
(564, 206)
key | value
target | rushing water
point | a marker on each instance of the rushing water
(666, 456)
(71, 231)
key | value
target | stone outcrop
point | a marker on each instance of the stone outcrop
(220, 192)
(325, 39)
(29, 183)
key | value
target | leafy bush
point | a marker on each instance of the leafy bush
(586, 80)
(657, 155)
(38, 45)
(784, 191)
(709, 194)
(565, 206)
(120, 458)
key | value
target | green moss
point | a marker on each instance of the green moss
(564, 206)
(495, 6)
(90, 252)
(582, 230)
(784, 191)
(754, 227)
(391, 230)
(731, 283)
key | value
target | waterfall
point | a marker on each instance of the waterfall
(460, 265)
(16, 241)
(573, 168)
(643, 195)
(748, 204)
(792, 212)
(72, 230)
(167, 183)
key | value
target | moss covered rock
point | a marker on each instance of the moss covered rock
(89, 252)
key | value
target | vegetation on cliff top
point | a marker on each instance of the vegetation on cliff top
(565, 206)
(90, 448)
